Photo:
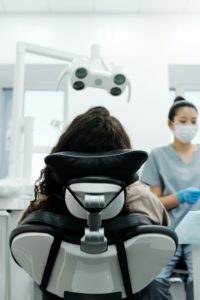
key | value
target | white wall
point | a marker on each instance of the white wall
(144, 44)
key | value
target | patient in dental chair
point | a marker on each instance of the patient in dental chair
(94, 131)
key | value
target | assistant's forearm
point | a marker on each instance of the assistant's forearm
(170, 201)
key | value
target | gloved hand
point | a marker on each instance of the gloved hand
(189, 195)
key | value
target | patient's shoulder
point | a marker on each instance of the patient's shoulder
(141, 199)
(139, 188)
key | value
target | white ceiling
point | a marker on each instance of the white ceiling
(100, 6)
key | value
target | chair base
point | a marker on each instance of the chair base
(78, 296)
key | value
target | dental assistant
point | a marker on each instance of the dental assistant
(173, 174)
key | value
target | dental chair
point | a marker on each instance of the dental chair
(96, 251)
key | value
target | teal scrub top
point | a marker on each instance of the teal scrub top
(165, 169)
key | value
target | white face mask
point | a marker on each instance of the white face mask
(185, 133)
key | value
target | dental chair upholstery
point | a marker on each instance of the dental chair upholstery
(96, 251)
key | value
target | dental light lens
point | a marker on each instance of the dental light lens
(115, 91)
(119, 79)
(81, 73)
(78, 85)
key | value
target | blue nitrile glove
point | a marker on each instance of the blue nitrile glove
(189, 195)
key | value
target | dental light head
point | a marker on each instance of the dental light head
(84, 72)
(83, 75)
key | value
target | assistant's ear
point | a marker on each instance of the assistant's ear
(170, 124)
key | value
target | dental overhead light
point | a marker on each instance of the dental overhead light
(81, 71)
(93, 72)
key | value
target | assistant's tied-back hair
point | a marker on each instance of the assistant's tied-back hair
(179, 102)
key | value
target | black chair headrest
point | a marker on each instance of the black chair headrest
(118, 164)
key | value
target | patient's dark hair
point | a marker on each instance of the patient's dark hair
(93, 131)
(179, 102)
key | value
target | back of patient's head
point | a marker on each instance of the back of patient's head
(93, 131)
